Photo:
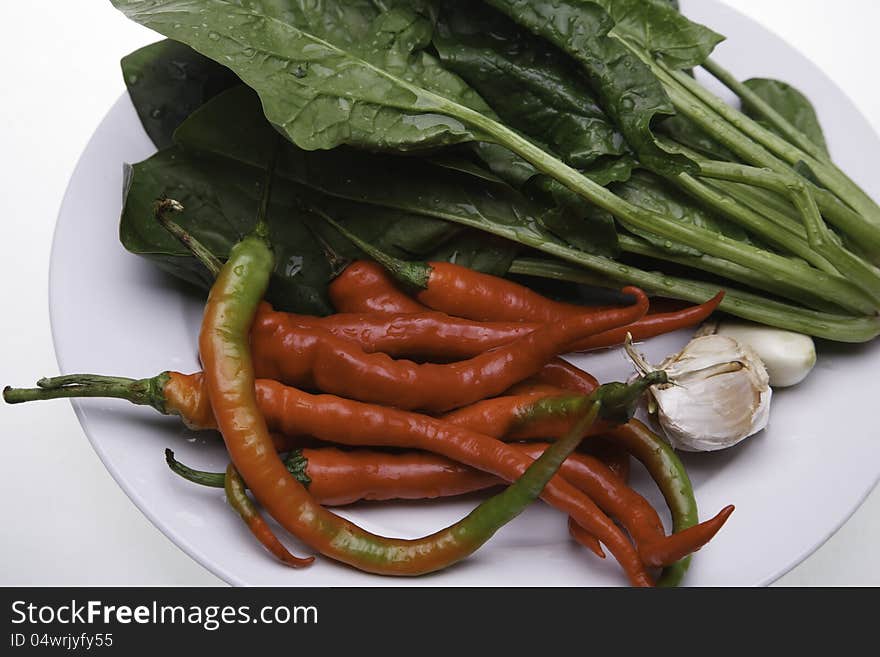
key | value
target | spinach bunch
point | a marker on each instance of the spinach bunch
(561, 139)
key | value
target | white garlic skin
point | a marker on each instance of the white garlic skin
(720, 395)
(788, 356)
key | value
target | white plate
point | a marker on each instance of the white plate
(793, 486)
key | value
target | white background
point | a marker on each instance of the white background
(65, 521)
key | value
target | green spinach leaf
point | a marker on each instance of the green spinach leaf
(478, 250)
(662, 31)
(793, 105)
(327, 73)
(571, 222)
(536, 89)
(408, 207)
(687, 133)
(167, 81)
(220, 197)
(627, 90)
(221, 200)
(651, 192)
(533, 87)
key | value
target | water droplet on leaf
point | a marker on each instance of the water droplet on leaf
(293, 266)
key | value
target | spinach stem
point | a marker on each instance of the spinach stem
(753, 100)
(770, 205)
(729, 270)
(726, 124)
(822, 248)
(831, 287)
(751, 220)
(860, 272)
(798, 148)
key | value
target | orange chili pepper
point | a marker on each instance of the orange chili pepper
(379, 294)
(313, 358)
(365, 287)
(338, 477)
(653, 324)
(238, 500)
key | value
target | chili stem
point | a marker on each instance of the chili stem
(412, 274)
(294, 462)
(162, 209)
(142, 392)
(261, 229)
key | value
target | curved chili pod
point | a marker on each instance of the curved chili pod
(338, 477)
(316, 359)
(238, 500)
(365, 287)
(370, 288)
(669, 473)
(652, 325)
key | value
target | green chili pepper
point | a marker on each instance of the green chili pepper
(672, 479)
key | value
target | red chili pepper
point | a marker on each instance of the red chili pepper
(337, 420)
(463, 292)
(652, 325)
(379, 294)
(562, 374)
(520, 417)
(238, 500)
(615, 498)
(338, 477)
(316, 359)
(365, 287)
(448, 288)
(424, 335)
(671, 477)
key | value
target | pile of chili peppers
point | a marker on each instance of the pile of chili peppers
(463, 378)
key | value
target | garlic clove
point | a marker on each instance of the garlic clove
(788, 356)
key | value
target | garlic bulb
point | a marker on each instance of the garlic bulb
(718, 394)
(788, 356)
